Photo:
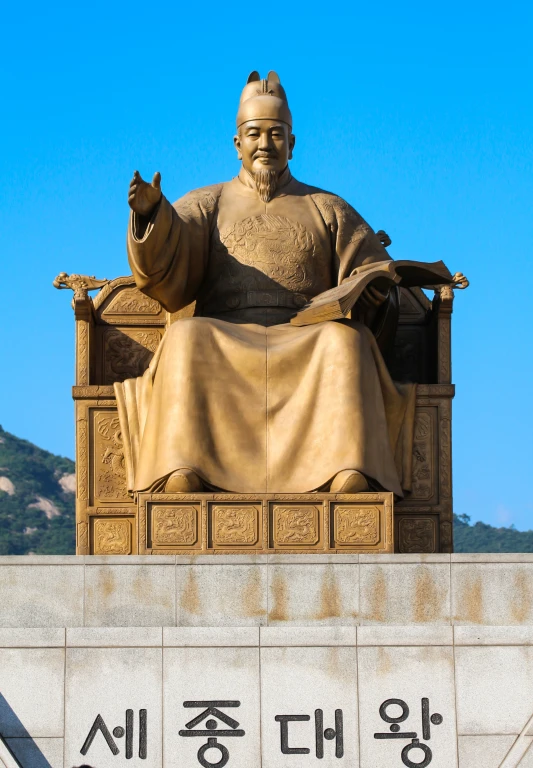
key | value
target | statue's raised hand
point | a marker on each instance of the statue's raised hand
(144, 197)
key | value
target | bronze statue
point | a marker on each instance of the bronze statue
(236, 398)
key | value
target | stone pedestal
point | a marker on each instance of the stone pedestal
(267, 660)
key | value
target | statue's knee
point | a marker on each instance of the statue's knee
(186, 330)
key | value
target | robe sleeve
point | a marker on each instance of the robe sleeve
(169, 256)
(353, 244)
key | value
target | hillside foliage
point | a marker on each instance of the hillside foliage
(485, 538)
(36, 510)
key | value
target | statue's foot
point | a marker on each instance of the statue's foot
(183, 481)
(349, 481)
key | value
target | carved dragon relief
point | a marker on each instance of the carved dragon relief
(356, 525)
(422, 456)
(174, 525)
(127, 354)
(112, 537)
(110, 470)
(235, 525)
(295, 525)
(417, 535)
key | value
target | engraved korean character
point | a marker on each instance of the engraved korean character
(320, 734)
(395, 733)
(211, 715)
(120, 732)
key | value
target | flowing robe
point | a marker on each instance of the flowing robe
(248, 401)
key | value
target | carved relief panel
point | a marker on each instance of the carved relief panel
(417, 534)
(112, 535)
(108, 468)
(234, 525)
(292, 523)
(425, 452)
(130, 301)
(295, 525)
(126, 352)
(356, 525)
(175, 526)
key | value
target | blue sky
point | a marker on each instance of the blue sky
(420, 115)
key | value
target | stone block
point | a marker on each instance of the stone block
(398, 558)
(405, 593)
(408, 675)
(41, 595)
(304, 682)
(129, 560)
(497, 593)
(494, 689)
(39, 560)
(216, 558)
(308, 636)
(404, 636)
(489, 751)
(31, 692)
(221, 595)
(38, 753)
(109, 682)
(320, 559)
(32, 637)
(476, 635)
(208, 637)
(305, 595)
(130, 595)
(202, 675)
(114, 637)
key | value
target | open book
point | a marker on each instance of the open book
(337, 302)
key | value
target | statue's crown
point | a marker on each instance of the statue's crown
(263, 99)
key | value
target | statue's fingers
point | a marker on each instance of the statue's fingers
(156, 181)
(376, 292)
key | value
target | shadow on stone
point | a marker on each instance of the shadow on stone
(21, 746)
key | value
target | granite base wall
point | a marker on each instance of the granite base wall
(281, 635)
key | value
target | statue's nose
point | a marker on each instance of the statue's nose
(265, 142)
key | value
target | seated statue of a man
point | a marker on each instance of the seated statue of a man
(236, 398)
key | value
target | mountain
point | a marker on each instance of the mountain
(484, 538)
(37, 516)
(37, 493)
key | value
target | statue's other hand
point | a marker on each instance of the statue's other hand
(143, 197)
(373, 296)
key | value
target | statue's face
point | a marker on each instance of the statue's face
(264, 145)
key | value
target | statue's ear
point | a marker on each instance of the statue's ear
(253, 77)
(292, 142)
(237, 143)
(273, 77)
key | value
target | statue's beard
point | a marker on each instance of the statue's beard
(266, 183)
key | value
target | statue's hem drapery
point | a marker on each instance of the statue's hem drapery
(267, 409)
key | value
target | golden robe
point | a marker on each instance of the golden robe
(248, 401)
